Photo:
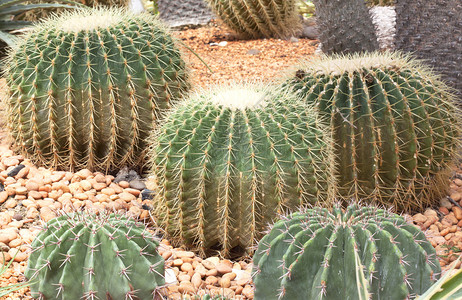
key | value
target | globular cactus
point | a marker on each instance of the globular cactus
(186, 12)
(345, 26)
(227, 161)
(89, 256)
(359, 253)
(86, 88)
(393, 123)
(261, 18)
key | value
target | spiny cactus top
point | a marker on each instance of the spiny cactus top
(86, 88)
(259, 18)
(229, 160)
(88, 256)
(393, 122)
(359, 253)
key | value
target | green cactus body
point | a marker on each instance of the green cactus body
(261, 18)
(393, 122)
(227, 161)
(88, 256)
(86, 88)
(359, 253)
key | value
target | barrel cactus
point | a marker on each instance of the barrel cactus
(86, 88)
(393, 122)
(359, 253)
(228, 160)
(257, 19)
(89, 256)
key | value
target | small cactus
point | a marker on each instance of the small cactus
(393, 123)
(86, 88)
(359, 253)
(88, 256)
(257, 19)
(226, 162)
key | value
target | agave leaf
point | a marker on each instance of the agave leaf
(13, 25)
(447, 288)
(17, 9)
(9, 39)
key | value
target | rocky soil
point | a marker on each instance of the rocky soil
(30, 194)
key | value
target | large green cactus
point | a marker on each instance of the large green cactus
(393, 122)
(359, 253)
(259, 18)
(226, 162)
(86, 88)
(89, 256)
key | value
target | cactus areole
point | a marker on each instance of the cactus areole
(227, 161)
(359, 253)
(86, 88)
(88, 256)
(394, 124)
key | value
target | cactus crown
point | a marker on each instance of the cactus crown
(112, 256)
(228, 160)
(394, 124)
(359, 253)
(86, 88)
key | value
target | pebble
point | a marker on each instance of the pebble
(224, 268)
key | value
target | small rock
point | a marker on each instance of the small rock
(134, 212)
(86, 185)
(457, 212)
(215, 260)
(200, 269)
(293, 39)
(419, 218)
(18, 217)
(147, 194)
(32, 186)
(186, 288)
(4, 247)
(183, 254)
(84, 173)
(225, 282)
(223, 268)
(21, 190)
(177, 262)
(15, 170)
(3, 196)
(443, 210)
(127, 197)
(10, 161)
(170, 277)
(7, 235)
(126, 175)
(137, 184)
(248, 292)
(253, 52)
(124, 184)
(186, 267)
(211, 280)
(444, 202)
(455, 196)
(196, 280)
(10, 203)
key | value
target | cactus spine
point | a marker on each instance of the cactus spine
(88, 256)
(86, 88)
(228, 161)
(345, 26)
(393, 122)
(260, 18)
(363, 251)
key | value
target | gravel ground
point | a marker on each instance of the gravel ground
(36, 193)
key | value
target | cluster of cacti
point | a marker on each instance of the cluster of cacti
(345, 26)
(89, 256)
(393, 123)
(259, 18)
(86, 88)
(419, 30)
(230, 160)
(186, 12)
(359, 253)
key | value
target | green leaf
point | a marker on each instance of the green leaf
(447, 288)
(7, 38)
(17, 9)
(13, 25)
